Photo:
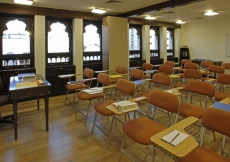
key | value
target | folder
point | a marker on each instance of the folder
(221, 106)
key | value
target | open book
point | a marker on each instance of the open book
(175, 137)
(125, 105)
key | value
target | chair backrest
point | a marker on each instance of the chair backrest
(223, 78)
(161, 79)
(216, 69)
(217, 120)
(200, 87)
(136, 74)
(164, 100)
(126, 86)
(206, 63)
(147, 66)
(189, 65)
(88, 73)
(183, 61)
(120, 69)
(165, 69)
(226, 65)
(103, 78)
(170, 63)
(193, 74)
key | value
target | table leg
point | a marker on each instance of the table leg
(15, 109)
(38, 106)
(46, 99)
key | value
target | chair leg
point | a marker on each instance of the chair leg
(154, 152)
(87, 113)
(122, 144)
(223, 145)
(94, 121)
(110, 131)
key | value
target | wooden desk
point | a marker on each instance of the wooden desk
(29, 92)
(182, 149)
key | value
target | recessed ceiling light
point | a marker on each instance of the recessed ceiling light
(180, 22)
(211, 13)
(98, 11)
(150, 18)
(26, 2)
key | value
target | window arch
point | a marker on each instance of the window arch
(154, 42)
(135, 37)
(170, 42)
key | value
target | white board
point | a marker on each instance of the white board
(227, 45)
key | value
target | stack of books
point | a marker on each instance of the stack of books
(95, 90)
(125, 106)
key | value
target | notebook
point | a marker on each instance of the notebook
(26, 85)
(175, 137)
(221, 106)
(26, 75)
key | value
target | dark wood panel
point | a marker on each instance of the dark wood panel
(153, 23)
(159, 6)
(32, 10)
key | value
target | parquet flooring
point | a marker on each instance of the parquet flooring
(67, 139)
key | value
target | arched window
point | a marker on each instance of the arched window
(170, 42)
(135, 36)
(16, 49)
(58, 42)
(154, 42)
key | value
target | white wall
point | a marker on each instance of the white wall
(39, 44)
(206, 39)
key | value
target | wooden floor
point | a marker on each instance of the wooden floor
(67, 139)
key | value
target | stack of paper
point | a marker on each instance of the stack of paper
(125, 105)
(26, 85)
(175, 137)
(93, 90)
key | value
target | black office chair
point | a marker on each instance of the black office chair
(4, 99)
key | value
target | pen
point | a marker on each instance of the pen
(175, 137)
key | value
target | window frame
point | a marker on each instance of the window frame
(29, 21)
(157, 30)
(98, 24)
(69, 30)
(133, 52)
(171, 30)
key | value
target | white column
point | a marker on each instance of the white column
(146, 43)
(163, 43)
(78, 46)
(39, 44)
(177, 42)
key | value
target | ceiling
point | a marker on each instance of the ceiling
(189, 13)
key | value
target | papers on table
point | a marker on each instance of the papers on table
(29, 84)
(93, 90)
(175, 137)
(221, 106)
(116, 76)
(26, 75)
(125, 106)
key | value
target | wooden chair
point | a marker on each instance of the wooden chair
(103, 79)
(222, 80)
(78, 85)
(214, 70)
(4, 99)
(170, 63)
(184, 61)
(189, 74)
(216, 120)
(118, 70)
(204, 66)
(165, 69)
(136, 74)
(188, 65)
(141, 129)
(124, 86)
(226, 65)
(146, 66)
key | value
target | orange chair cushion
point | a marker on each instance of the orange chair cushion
(141, 129)
(187, 109)
(72, 87)
(221, 95)
(100, 107)
(203, 155)
(84, 96)
(143, 93)
(145, 76)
